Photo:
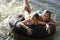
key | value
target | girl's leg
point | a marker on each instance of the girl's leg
(27, 7)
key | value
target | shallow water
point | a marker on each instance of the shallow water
(11, 7)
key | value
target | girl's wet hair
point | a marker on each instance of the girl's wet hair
(36, 15)
(47, 11)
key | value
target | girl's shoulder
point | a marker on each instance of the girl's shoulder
(40, 16)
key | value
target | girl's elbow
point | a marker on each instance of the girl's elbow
(21, 23)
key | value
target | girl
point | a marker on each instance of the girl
(33, 19)
(45, 19)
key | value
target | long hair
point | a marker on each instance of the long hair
(47, 12)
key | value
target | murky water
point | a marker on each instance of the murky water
(11, 7)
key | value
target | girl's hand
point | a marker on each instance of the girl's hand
(29, 31)
(47, 28)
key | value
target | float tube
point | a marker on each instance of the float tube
(38, 31)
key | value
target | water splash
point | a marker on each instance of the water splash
(6, 11)
(11, 7)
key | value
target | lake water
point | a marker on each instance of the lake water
(11, 7)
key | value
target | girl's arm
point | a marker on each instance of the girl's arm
(41, 23)
(22, 24)
(53, 22)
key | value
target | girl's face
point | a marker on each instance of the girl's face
(46, 16)
(34, 20)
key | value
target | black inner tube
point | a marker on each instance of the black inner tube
(38, 31)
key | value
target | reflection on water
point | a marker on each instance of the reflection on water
(11, 7)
